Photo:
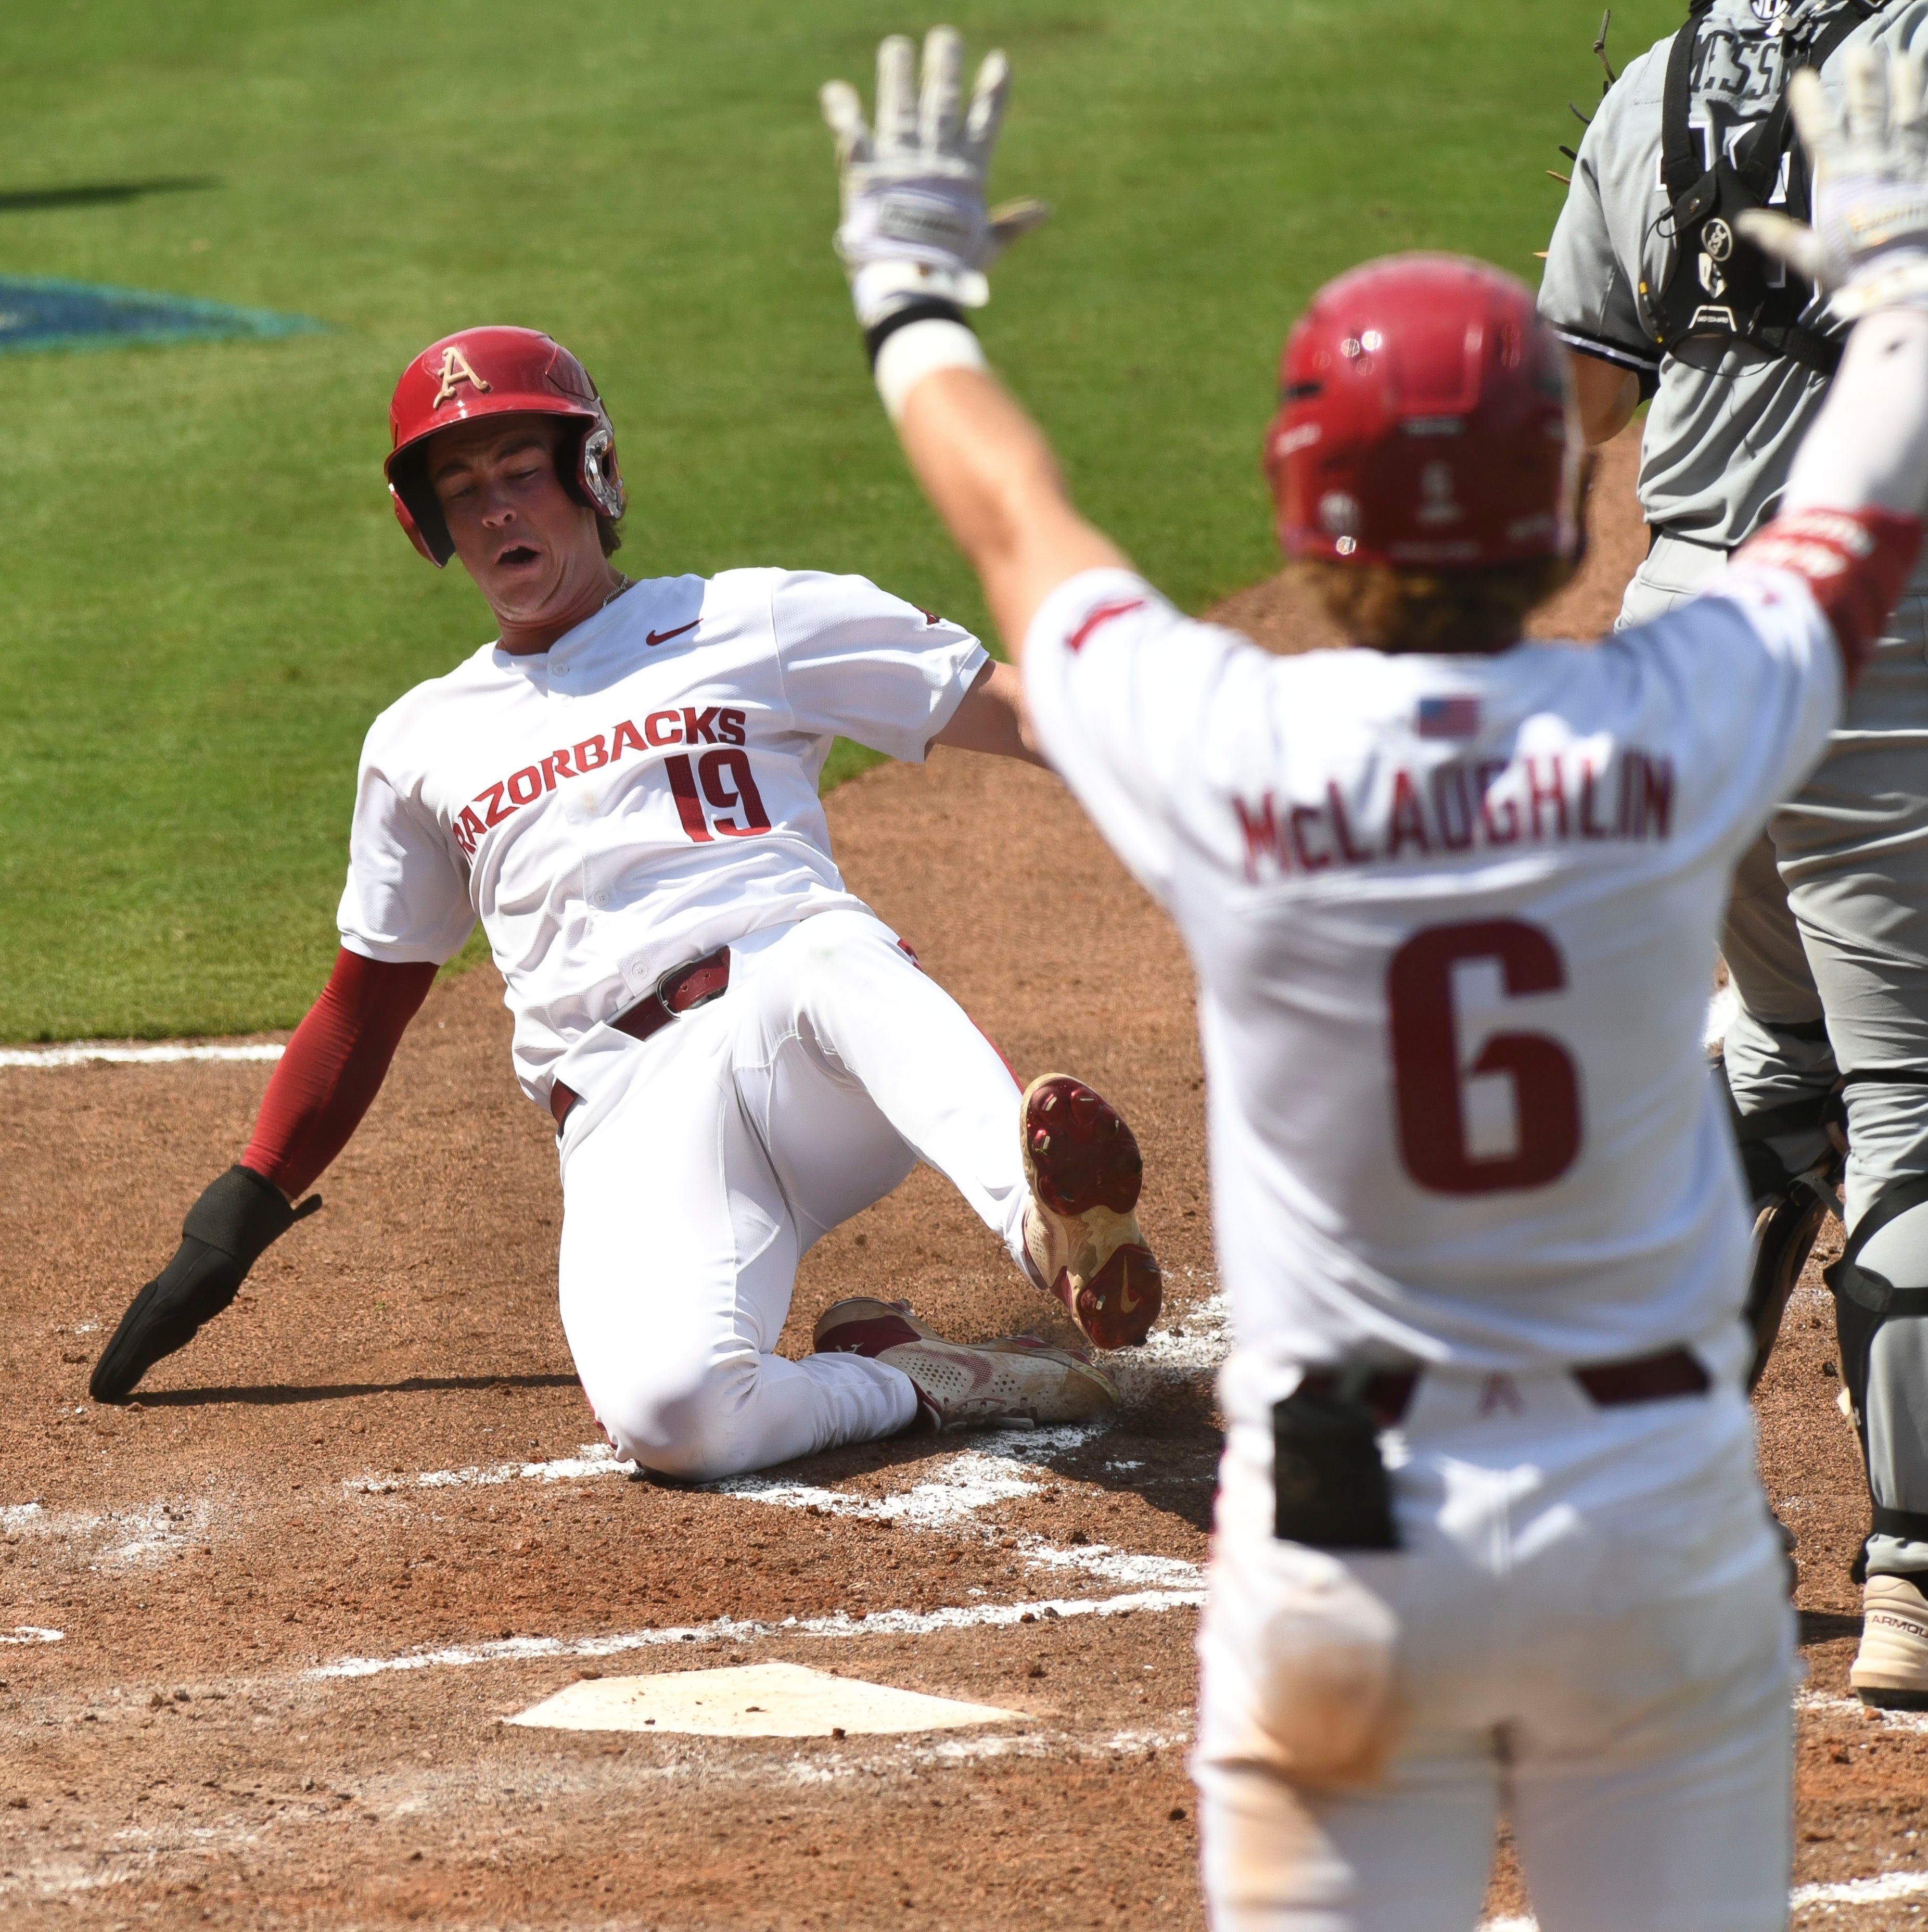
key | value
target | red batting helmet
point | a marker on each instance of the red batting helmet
(1424, 421)
(493, 372)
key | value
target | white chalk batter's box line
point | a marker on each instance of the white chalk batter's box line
(1820, 1704)
(139, 1534)
(969, 1481)
(1881, 1891)
(1195, 1346)
(732, 1629)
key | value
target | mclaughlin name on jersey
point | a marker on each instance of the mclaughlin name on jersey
(1610, 792)
(639, 794)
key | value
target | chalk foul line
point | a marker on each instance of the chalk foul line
(81, 1053)
(880, 1623)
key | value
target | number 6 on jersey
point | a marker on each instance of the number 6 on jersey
(1428, 1079)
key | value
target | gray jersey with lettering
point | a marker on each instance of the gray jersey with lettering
(1727, 418)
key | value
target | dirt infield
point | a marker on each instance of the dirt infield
(258, 1633)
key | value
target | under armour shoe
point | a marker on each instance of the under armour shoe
(1891, 1669)
(1015, 1378)
(1081, 1236)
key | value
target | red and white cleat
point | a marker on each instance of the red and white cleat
(1015, 1378)
(1080, 1235)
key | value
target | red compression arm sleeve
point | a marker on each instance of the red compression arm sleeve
(333, 1067)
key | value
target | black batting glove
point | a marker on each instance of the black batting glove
(238, 1218)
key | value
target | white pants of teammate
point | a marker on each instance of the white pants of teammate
(701, 1165)
(1593, 1633)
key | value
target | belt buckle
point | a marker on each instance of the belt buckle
(660, 992)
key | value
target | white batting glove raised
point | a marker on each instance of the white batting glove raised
(915, 225)
(1868, 245)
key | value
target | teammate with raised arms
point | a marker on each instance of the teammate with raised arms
(622, 787)
(1489, 1523)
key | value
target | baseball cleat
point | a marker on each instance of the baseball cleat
(1891, 1669)
(1015, 1378)
(1081, 1236)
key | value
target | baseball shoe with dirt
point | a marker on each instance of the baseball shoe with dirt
(1015, 1378)
(1081, 1236)
(1891, 1669)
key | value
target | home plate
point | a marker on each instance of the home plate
(756, 1700)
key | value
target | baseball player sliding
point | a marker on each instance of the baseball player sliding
(1489, 1520)
(738, 1053)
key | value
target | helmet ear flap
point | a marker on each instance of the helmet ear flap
(596, 471)
(422, 518)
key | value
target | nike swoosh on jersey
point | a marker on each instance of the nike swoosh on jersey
(663, 637)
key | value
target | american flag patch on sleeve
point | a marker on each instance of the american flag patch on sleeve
(1455, 717)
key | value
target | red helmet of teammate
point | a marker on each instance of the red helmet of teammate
(1425, 422)
(494, 372)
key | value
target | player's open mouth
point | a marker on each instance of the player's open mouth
(516, 556)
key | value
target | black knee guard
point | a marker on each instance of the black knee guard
(1864, 1304)
(1788, 1208)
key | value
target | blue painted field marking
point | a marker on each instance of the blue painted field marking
(39, 314)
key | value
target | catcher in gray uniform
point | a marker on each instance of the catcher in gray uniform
(1651, 282)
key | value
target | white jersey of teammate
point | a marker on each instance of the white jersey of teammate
(1453, 919)
(640, 794)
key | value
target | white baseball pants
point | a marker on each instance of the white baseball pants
(700, 1165)
(1592, 1632)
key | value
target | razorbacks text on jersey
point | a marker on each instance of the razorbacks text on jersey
(1454, 918)
(640, 794)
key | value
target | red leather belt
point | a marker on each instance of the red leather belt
(1388, 1392)
(682, 988)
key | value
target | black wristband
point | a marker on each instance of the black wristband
(925, 308)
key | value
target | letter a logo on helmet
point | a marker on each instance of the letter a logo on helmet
(495, 372)
(455, 370)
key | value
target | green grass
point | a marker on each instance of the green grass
(205, 600)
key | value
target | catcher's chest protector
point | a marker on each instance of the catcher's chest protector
(1720, 286)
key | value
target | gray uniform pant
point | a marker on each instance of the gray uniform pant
(1827, 942)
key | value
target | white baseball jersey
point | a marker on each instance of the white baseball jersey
(640, 794)
(1453, 920)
